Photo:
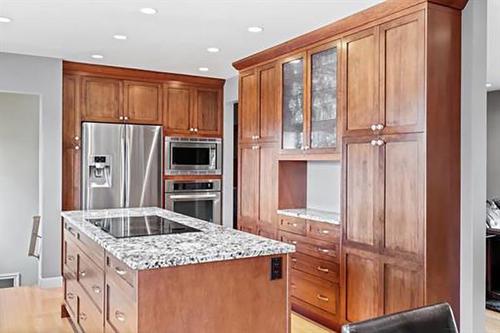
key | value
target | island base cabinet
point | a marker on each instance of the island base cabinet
(228, 296)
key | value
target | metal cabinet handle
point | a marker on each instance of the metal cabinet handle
(120, 271)
(293, 242)
(71, 296)
(294, 259)
(83, 316)
(324, 232)
(96, 289)
(83, 274)
(380, 127)
(322, 269)
(77, 138)
(322, 298)
(126, 118)
(380, 142)
(71, 258)
(121, 117)
(196, 129)
(292, 224)
(255, 147)
(323, 250)
(120, 316)
(373, 142)
(77, 147)
(377, 127)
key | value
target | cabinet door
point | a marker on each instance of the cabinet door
(363, 287)
(102, 99)
(268, 103)
(360, 79)
(142, 103)
(178, 103)
(403, 286)
(363, 193)
(208, 119)
(404, 178)
(292, 103)
(402, 68)
(248, 117)
(323, 77)
(249, 161)
(268, 186)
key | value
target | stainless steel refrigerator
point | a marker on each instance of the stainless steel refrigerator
(121, 165)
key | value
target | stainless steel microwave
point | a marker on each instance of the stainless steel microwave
(193, 156)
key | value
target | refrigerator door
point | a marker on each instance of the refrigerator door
(144, 165)
(103, 173)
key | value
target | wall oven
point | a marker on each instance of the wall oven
(193, 156)
(196, 198)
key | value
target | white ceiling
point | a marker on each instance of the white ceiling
(173, 40)
(493, 44)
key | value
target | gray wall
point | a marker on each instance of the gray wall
(323, 185)
(493, 178)
(19, 121)
(230, 97)
(43, 77)
(473, 168)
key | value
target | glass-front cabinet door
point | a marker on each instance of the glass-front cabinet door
(292, 100)
(323, 78)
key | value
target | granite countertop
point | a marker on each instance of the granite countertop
(213, 243)
(312, 214)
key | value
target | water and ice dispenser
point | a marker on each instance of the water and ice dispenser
(100, 171)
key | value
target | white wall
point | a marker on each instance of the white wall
(493, 123)
(43, 77)
(323, 185)
(230, 97)
(19, 125)
(473, 168)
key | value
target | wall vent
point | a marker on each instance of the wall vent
(9, 280)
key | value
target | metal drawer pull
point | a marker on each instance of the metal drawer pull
(323, 250)
(255, 147)
(292, 224)
(120, 271)
(322, 298)
(83, 273)
(120, 316)
(293, 285)
(325, 232)
(71, 258)
(83, 316)
(71, 296)
(293, 242)
(96, 289)
(322, 269)
(294, 259)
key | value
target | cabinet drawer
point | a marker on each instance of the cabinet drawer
(319, 249)
(320, 268)
(315, 291)
(120, 309)
(70, 258)
(293, 224)
(120, 272)
(71, 296)
(91, 278)
(88, 246)
(90, 318)
(323, 231)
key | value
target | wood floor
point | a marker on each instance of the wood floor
(36, 310)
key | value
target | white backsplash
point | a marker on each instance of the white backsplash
(323, 185)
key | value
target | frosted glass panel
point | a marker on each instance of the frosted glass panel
(293, 104)
(324, 99)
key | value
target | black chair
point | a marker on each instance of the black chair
(430, 319)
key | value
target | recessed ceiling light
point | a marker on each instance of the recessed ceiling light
(488, 85)
(213, 49)
(148, 11)
(203, 69)
(255, 29)
(120, 37)
(97, 56)
(4, 19)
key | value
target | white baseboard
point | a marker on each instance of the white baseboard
(53, 282)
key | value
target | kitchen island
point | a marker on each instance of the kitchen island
(206, 279)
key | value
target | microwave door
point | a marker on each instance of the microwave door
(192, 156)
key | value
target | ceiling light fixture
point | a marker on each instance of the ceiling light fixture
(148, 11)
(97, 56)
(203, 69)
(255, 29)
(488, 85)
(120, 37)
(213, 49)
(4, 19)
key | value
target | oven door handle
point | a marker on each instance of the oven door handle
(190, 196)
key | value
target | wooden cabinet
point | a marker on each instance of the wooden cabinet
(258, 115)
(192, 110)
(102, 99)
(258, 176)
(142, 102)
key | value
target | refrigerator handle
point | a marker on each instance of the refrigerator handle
(123, 162)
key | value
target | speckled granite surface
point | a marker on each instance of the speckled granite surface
(214, 243)
(312, 214)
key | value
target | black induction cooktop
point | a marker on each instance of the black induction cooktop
(137, 226)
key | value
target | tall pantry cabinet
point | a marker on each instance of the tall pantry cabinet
(398, 139)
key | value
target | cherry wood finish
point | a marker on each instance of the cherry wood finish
(102, 99)
(268, 103)
(178, 105)
(293, 224)
(320, 268)
(208, 112)
(315, 291)
(142, 102)
(248, 107)
(249, 181)
(268, 188)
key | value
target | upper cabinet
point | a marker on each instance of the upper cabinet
(258, 115)
(102, 99)
(142, 104)
(309, 101)
(192, 110)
